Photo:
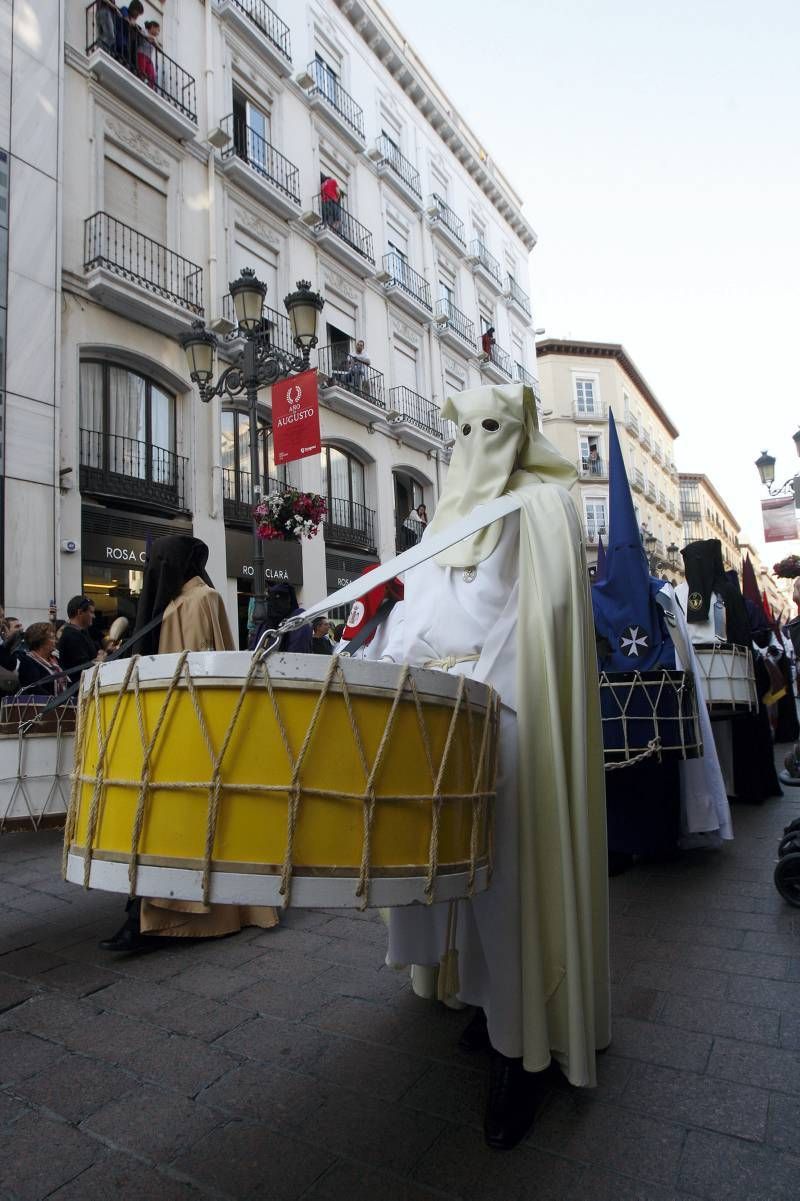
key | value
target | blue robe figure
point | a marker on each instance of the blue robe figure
(643, 801)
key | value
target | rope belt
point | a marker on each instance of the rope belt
(450, 661)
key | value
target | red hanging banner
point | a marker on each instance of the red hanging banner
(295, 418)
(780, 519)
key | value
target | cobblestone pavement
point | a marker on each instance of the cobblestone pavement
(291, 1064)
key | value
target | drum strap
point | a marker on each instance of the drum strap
(377, 619)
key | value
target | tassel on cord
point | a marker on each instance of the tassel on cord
(447, 985)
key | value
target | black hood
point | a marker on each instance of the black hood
(172, 561)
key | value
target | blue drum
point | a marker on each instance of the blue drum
(653, 712)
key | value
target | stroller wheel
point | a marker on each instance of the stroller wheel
(795, 825)
(787, 878)
(789, 844)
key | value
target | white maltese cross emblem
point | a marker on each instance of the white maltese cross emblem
(633, 639)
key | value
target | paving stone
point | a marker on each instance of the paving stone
(694, 1100)
(112, 1037)
(454, 1093)
(51, 1016)
(74, 1087)
(177, 1062)
(726, 1018)
(375, 1071)
(771, 994)
(461, 1165)
(783, 1126)
(37, 1155)
(293, 1047)
(244, 1159)
(743, 963)
(636, 1001)
(10, 1107)
(664, 1045)
(605, 1186)
(202, 1018)
(606, 1135)
(793, 971)
(374, 933)
(304, 919)
(374, 1132)
(27, 962)
(23, 1055)
(351, 981)
(767, 1067)
(151, 1122)
(13, 992)
(715, 1167)
(771, 944)
(137, 998)
(351, 1182)
(119, 1177)
(208, 980)
(279, 998)
(790, 1030)
(80, 979)
(675, 978)
(263, 1092)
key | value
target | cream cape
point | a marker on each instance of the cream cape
(560, 936)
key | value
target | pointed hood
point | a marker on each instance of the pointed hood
(600, 571)
(750, 589)
(625, 610)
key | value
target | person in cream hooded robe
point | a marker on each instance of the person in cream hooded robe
(510, 606)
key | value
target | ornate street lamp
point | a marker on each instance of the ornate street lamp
(672, 555)
(766, 468)
(303, 307)
(256, 365)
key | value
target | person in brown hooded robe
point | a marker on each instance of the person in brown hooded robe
(177, 586)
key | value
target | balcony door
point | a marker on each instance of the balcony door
(596, 518)
(344, 486)
(251, 131)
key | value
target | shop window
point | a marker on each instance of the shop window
(237, 488)
(127, 424)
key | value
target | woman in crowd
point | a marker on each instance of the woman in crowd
(38, 664)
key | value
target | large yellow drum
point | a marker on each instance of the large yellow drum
(293, 779)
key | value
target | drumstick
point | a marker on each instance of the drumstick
(431, 544)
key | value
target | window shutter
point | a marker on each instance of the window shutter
(135, 203)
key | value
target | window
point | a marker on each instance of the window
(585, 396)
(236, 473)
(344, 486)
(327, 79)
(595, 517)
(448, 293)
(127, 424)
(591, 457)
(251, 130)
(135, 201)
(405, 365)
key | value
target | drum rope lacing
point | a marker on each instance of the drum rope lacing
(484, 768)
(656, 718)
(653, 748)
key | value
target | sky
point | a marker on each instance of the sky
(656, 149)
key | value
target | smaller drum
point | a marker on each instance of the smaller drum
(36, 752)
(643, 709)
(729, 682)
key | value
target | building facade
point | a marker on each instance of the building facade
(188, 158)
(580, 383)
(706, 515)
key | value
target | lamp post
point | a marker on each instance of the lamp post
(766, 470)
(257, 365)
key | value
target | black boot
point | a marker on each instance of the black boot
(475, 1036)
(129, 936)
(514, 1097)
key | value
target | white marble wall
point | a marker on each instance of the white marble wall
(31, 57)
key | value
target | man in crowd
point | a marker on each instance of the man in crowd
(75, 646)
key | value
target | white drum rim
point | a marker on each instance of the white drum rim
(258, 888)
(226, 668)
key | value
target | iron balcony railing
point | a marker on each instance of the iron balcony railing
(328, 87)
(455, 320)
(658, 454)
(237, 495)
(501, 359)
(407, 278)
(349, 524)
(589, 467)
(401, 166)
(115, 465)
(128, 253)
(593, 531)
(407, 533)
(632, 423)
(248, 145)
(335, 217)
(343, 370)
(646, 439)
(108, 30)
(662, 500)
(416, 409)
(651, 491)
(275, 325)
(518, 296)
(523, 376)
(488, 261)
(638, 479)
(448, 218)
(270, 24)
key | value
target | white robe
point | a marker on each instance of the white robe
(443, 615)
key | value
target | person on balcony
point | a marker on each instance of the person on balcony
(331, 198)
(128, 32)
(487, 341)
(106, 21)
(146, 52)
(594, 461)
(358, 362)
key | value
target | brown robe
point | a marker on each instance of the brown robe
(196, 621)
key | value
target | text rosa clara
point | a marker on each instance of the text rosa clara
(123, 555)
(291, 418)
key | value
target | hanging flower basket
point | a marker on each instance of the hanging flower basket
(289, 515)
(788, 568)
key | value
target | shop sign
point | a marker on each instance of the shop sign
(283, 561)
(112, 550)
